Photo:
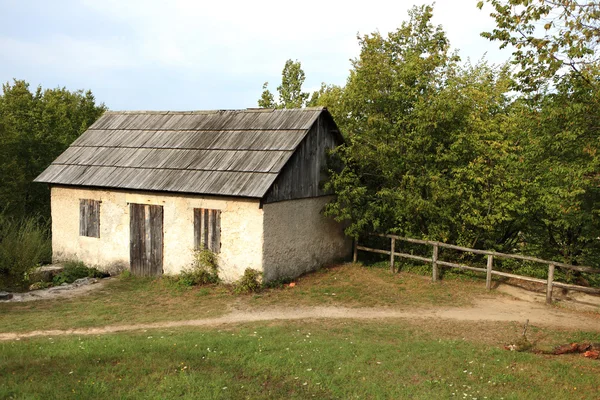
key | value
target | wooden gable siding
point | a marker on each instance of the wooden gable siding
(303, 174)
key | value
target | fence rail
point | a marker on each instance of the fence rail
(488, 270)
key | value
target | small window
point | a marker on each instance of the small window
(207, 229)
(89, 218)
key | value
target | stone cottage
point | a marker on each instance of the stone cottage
(143, 190)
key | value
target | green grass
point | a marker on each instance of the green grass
(355, 285)
(297, 360)
(120, 301)
(136, 300)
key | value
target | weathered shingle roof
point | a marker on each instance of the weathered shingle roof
(233, 152)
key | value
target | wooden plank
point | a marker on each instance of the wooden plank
(413, 257)
(205, 226)
(461, 266)
(217, 237)
(355, 252)
(157, 237)
(495, 254)
(434, 263)
(135, 240)
(209, 233)
(525, 278)
(393, 249)
(488, 276)
(147, 260)
(132, 241)
(94, 214)
(372, 250)
(82, 217)
(197, 228)
(549, 285)
(578, 288)
(96, 218)
(201, 233)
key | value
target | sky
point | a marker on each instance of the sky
(196, 55)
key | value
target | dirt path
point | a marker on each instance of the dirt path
(498, 309)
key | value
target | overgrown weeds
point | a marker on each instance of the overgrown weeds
(74, 270)
(204, 271)
(250, 282)
(24, 244)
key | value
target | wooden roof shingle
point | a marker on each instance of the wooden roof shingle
(227, 152)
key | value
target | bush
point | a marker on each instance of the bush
(24, 244)
(204, 271)
(250, 282)
(126, 274)
(74, 270)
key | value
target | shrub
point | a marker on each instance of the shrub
(24, 244)
(74, 270)
(250, 282)
(205, 270)
(126, 274)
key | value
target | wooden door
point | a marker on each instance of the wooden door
(146, 239)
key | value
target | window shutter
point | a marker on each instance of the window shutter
(89, 218)
(207, 229)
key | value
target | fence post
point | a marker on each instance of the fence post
(434, 259)
(488, 277)
(392, 254)
(550, 280)
(355, 253)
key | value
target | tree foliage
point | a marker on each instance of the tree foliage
(563, 161)
(429, 151)
(548, 36)
(35, 127)
(446, 150)
(290, 90)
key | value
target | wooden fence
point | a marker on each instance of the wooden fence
(489, 269)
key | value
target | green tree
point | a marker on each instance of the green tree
(548, 36)
(432, 147)
(562, 154)
(35, 127)
(290, 90)
(329, 96)
(556, 47)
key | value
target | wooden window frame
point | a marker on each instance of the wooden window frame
(89, 218)
(207, 229)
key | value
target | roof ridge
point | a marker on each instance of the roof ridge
(192, 112)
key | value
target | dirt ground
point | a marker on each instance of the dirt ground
(572, 312)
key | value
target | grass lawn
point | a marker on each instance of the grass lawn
(136, 300)
(120, 301)
(321, 359)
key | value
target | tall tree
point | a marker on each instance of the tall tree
(556, 47)
(563, 158)
(548, 36)
(35, 127)
(290, 90)
(427, 149)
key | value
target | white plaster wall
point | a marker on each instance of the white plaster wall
(299, 238)
(241, 230)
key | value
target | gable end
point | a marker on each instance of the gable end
(302, 175)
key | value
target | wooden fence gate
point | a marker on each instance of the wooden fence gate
(146, 239)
